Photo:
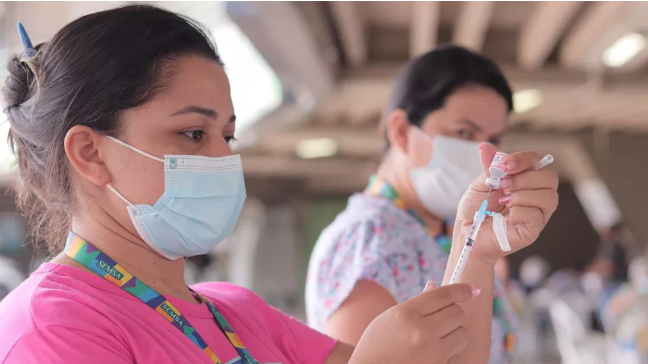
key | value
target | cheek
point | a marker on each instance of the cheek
(140, 180)
(420, 151)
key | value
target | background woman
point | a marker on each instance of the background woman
(397, 235)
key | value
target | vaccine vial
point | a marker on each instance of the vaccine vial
(496, 170)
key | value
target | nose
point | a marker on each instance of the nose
(220, 148)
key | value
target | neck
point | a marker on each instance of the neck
(395, 170)
(131, 252)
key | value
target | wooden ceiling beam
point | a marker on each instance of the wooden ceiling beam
(351, 27)
(541, 33)
(472, 25)
(584, 46)
(424, 27)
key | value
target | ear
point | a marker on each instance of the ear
(398, 129)
(82, 148)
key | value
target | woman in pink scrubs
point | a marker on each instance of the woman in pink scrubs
(121, 126)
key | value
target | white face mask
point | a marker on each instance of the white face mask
(441, 184)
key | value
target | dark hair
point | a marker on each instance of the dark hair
(92, 70)
(425, 83)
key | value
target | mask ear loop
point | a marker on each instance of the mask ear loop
(110, 187)
(135, 149)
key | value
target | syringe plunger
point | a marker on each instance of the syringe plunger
(548, 159)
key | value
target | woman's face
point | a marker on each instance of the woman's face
(471, 113)
(193, 116)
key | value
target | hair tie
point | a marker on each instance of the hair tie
(26, 42)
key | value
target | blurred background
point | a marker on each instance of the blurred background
(309, 82)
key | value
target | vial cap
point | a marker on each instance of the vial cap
(492, 183)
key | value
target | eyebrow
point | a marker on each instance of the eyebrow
(210, 113)
(472, 125)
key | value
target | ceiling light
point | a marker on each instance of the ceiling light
(526, 100)
(316, 148)
(624, 49)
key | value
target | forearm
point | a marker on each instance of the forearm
(479, 311)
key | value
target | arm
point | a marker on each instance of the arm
(479, 312)
(527, 200)
(366, 301)
(423, 330)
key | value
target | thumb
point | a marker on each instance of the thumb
(486, 154)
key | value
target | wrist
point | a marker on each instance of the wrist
(483, 262)
(476, 256)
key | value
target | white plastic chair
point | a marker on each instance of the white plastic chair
(575, 344)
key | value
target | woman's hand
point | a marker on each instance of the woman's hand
(427, 329)
(526, 198)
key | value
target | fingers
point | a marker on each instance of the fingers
(486, 154)
(447, 320)
(520, 161)
(455, 341)
(536, 180)
(526, 215)
(453, 360)
(546, 200)
(434, 300)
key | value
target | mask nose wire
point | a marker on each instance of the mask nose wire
(110, 187)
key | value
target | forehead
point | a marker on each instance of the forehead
(197, 81)
(480, 105)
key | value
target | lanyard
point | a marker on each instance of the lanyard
(92, 258)
(379, 188)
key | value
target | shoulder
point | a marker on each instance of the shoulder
(372, 240)
(368, 224)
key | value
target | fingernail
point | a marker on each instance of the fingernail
(429, 285)
(510, 165)
(505, 200)
(506, 183)
(475, 291)
(481, 145)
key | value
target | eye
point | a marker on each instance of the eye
(229, 139)
(465, 134)
(194, 136)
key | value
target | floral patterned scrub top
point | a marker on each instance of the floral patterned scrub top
(376, 238)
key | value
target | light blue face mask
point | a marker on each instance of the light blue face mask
(202, 201)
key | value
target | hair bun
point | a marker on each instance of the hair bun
(20, 83)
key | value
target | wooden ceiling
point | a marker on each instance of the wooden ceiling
(554, 48)
(336, 62)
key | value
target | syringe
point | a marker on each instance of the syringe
(480, 216)
(548, 159)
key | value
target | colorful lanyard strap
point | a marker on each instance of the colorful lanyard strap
(92, 258)
(379, 188)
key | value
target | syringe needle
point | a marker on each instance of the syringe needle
(489, 192)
